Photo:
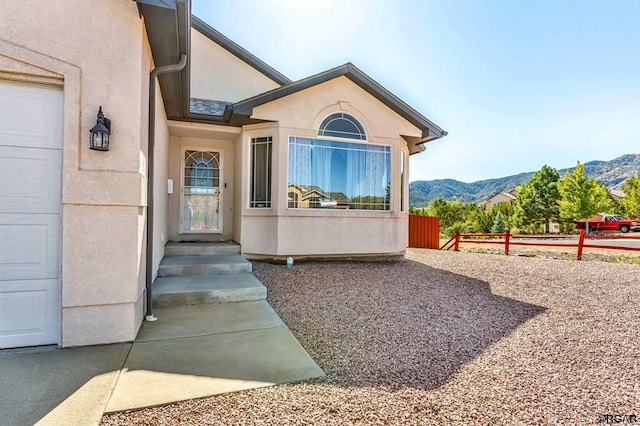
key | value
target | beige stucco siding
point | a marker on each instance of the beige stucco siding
(104, 193)
(86, 325)
(259, 235)
(219, 75)
(324, 236)
(318, 236)
(100, 260)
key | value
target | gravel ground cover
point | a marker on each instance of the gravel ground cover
(444, 338)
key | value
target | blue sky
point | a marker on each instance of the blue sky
(518, 84)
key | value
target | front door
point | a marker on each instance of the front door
(201, 197)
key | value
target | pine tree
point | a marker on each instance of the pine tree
(499, 225)
(537, 201)
(582, 197)
(631, 201)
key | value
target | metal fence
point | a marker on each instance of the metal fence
(424, 232)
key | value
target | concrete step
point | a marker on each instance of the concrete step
(172, 266)
(178, 248)
(206, 289)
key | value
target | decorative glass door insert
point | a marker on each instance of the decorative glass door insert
(201, 191)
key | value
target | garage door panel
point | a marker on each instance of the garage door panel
(33, 252)
(30, 116)
(28, 314)
(30, 180)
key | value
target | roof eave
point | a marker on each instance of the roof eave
(166, 22)
(416, 145)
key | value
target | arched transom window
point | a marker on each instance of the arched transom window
(342, 125)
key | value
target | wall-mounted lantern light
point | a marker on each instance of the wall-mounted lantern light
(100, 133)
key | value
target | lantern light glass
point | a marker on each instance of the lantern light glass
(99, 140)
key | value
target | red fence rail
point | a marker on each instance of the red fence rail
(424, 231)
(508, 240)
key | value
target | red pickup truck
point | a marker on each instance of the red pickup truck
(609, 222)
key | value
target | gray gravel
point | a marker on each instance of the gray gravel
(444, 338)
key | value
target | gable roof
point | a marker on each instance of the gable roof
(507, 195)
(237, 50)
(617, 193)
(353, 73)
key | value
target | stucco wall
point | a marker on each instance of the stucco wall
(281, 231)
(326, 236)
(219, 75)
(323, 236)
(103, 192)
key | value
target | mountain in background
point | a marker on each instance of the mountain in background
(611, 173)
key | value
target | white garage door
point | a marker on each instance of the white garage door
(30, 203)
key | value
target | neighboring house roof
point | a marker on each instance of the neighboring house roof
(340, 197)
(510, 195)
(313, 193)
(306, 192)
(237, 50)
(507, 195)
(353, 73)
(617, 193)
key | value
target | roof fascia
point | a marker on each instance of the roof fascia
(167, 4)
(238, 51)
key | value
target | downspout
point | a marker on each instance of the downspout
(150, 171)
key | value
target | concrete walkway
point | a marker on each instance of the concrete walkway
(190, 352)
